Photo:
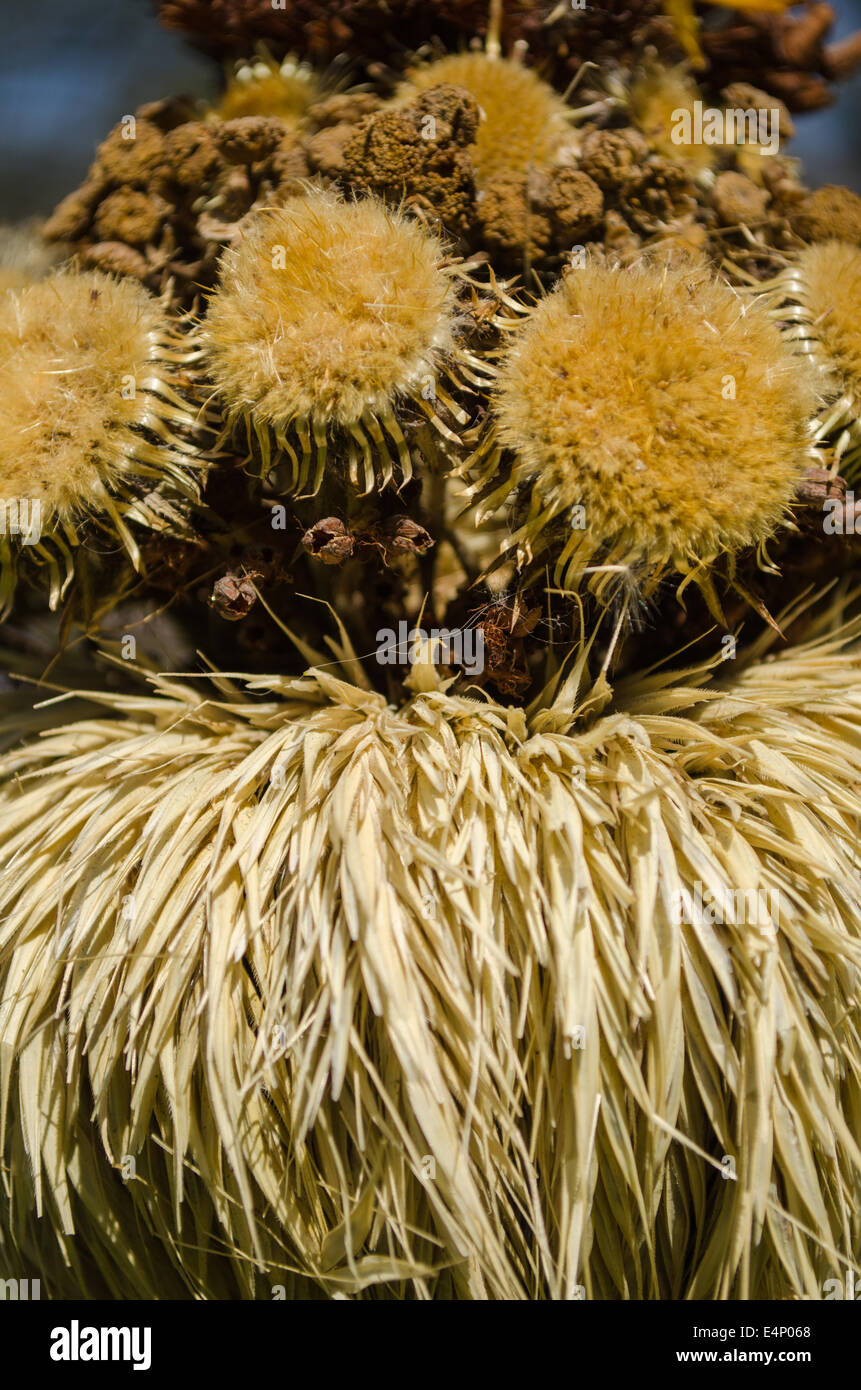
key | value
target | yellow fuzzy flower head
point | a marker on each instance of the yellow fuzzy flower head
(654, 421)
(328, 315)
(86, 417)
(525, 122)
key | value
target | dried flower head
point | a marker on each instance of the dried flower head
(88, 419)
(525, 122)
(264, 87)
(653, 420)
(816, 299)
(329, 316)
(272, 944)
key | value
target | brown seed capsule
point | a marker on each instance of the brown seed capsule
(403, 535)
(234, 595)
(329, 540)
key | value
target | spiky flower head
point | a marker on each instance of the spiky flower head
(88, 419)
(283, 938)
(817, 301)
(652, 419)
(330, 316)
(525, 122)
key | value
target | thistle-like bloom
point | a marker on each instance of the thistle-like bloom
(332, 316)
(525, 122)
(349, 984)
(88, 421)
(649, 419)
(818, 300)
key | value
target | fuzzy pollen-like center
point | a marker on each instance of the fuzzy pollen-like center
(76, 352)
(525, 122)
(652, 398)
(328, 310)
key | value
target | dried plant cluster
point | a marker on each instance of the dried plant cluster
(512, 954)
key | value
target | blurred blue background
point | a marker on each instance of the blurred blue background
(70, 69)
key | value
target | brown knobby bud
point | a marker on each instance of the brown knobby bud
(249, 139)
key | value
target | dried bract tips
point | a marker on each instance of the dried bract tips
(817, 301)
(330, 316)
(650, 420)
(91, 425)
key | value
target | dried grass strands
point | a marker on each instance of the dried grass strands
(396, 1002)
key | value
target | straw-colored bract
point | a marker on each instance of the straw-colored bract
(300, 989)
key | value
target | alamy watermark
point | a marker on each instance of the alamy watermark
(76, 1343)
(732, 907)
(448, 646)
(24, 1290)
(709, 125)
(850, 1288)
(21, 516)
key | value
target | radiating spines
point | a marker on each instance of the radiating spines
(95, 427)
(645, 420)
(817, 301)
(334, 321)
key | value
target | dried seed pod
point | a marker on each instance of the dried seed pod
(234, 594)
(329, 540)
(330, 317)
(650, 421)
(402, 536)
(830, 213)
(90, 420)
